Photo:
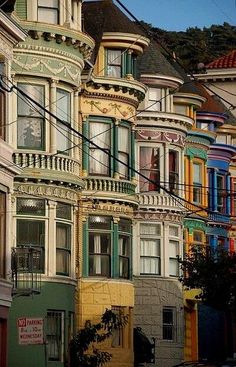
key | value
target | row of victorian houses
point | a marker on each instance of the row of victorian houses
(83, 229)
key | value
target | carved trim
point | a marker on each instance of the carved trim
(46, 191)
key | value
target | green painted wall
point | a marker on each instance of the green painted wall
(54, 296)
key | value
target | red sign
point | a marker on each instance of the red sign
(30, 330)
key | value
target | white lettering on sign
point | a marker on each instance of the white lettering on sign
(30, 330)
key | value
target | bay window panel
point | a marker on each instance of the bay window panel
(151, 229)
(123, 151)
(48, 11)
(30, 118)
(99, 254)
(99, 161)
(173, 171)
(114, 63)
(150, 256)
(150, 168)
(63, 247)
(197, 183)
(63, 113)
(220, 193)
(124, 255)
(25, 206)
(173, 261)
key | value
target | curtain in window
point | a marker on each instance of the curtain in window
(114, 63)
(98, 160)
(48, 11)
(63, 249)
(150, 256)
(63, 113)
(97, 250)
(123, 148)
(173, 262)
(54, 335)
(149, 167)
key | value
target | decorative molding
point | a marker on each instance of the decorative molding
(46, 191)
(110, 108)
(194, 152)
(170, 137)
(170, 217)
(107, 208)
(195, 224)
(42, 66)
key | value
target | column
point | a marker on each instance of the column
(116, 153)
(53, 122)
(85, 146)
(164, 176)
(85, 259)
(190, 188)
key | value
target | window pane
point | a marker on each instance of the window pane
(99, 162)
(63, 211)
(168, 324)
(30, 133)
(114, 57)
(99, 222)
(54, 335)
(124, 225)
(150, 247)
(196, 173)
(26, 107)
(149, 167)
(63, 105)
(62, 262)
(63, 236)
(150, 266)
(151, 229)
(30, 233)
(30, 206)
(99, 265)
(174, 231)
(173, 248)
(99, 243)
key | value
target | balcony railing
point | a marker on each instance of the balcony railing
(109, 184)
(26, 270)
(46, 162)
(159, 200)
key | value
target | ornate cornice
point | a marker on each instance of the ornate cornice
(46, 191)
(195, 224)
(155, 216)
(196, 151)
(162, 136)
(99, 207)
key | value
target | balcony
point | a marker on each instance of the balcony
(51, 167)
(220, 218)
(105, 186)
(26, 270)
(159, 201)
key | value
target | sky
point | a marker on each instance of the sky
(178, 15)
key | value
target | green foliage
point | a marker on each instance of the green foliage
(197, 45)
(83, 347)
(214, 273)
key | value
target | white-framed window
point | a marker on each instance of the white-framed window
(63, 112)
(114, 63)
(55, 335)
(30, 118)
(220, 192)
(180, 109)
(174, 250)
(150, 248)
(124, 239)
(197, 183)
(154, 100)
(168, 323)
(30, 228)
(100, 246)
(48, 11)
(99, 161)
(149, 166)
(63, 239)
(123, 151)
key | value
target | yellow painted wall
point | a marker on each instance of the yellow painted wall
(191, 337)
(95, 296)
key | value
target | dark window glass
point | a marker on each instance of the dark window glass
(26, 206)
(54, 335)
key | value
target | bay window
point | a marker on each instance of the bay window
(64, 114)
(119, 63)
(123, 151)
(197, 183)
(30, 118)
(150, 168)
(173, 171)
(48, 11)
(99, 161)
(124, 238)
(150, 251)
(100, 246)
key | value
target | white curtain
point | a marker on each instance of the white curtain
(97, 250)
(173, 262)
(123, 148)
(98, 160)
(150, 256)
